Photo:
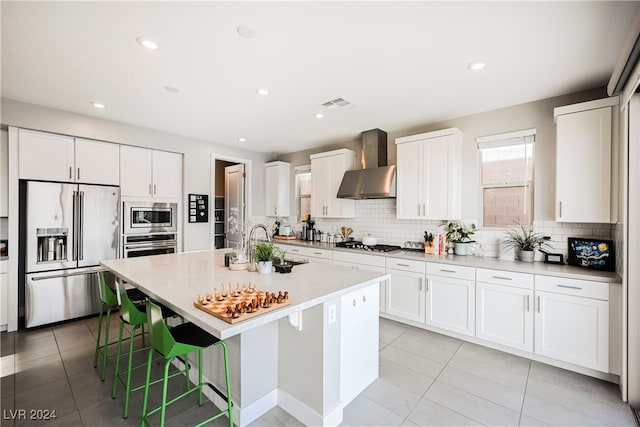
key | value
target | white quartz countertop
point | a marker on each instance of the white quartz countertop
(563, 270)
(176, 280)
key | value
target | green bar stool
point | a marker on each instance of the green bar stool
(109, 303)
(176, 342)
(134, 315)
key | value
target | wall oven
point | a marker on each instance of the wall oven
(136, 245)
(150, 217)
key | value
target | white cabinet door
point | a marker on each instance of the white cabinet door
(97, 162)
(135, 172)
(327, 171)
(451, 304)
(504, 315)
(45, 156)
(167, 175)
(583, 166)
(573, 329)
(429, 175)
(405, 295)
(277, 190)
(358, 342)
(409, 181)
(4, 290)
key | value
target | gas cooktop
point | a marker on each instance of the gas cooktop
(352, 244)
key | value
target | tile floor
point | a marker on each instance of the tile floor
(425, 379)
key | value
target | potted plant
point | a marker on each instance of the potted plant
(263, 254)
(459, 233)
(525, 242)
(282, 266)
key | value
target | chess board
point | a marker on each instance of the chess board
(216, 304)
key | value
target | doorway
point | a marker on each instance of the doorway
(231, 200)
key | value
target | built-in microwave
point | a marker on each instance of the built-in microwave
(150, 217)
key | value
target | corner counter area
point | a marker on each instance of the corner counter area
(311, 357)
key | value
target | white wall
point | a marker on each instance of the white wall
(197, 153)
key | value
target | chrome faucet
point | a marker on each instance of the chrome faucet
(251, 239)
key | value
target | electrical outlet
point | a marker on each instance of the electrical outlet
(332, 313)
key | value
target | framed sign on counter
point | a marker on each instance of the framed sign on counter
(198, 208)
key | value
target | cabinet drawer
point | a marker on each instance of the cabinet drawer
(364, 259)
(294, 250)
(405, 265)
(451, 270)
(582, 288)
(510, 278)
(320, 253)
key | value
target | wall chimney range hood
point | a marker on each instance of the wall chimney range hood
(375, 180)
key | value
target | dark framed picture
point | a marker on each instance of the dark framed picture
(598, 254)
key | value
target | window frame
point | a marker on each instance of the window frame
(527, 136)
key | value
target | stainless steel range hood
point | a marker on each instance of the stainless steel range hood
(375, 180)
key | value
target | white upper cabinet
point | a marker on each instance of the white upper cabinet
(277, 190)
(97, 162)
(327, 170)
(150, 173)
(429, 175)
(586, 156)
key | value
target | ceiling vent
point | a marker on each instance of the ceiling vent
(337, 103)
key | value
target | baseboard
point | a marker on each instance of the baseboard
(305, 414)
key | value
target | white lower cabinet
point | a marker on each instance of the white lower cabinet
(320, 255)
(504, 308)
(365, 262)
(405, 296)
(450, 298)
(572, 321)
(358, 342)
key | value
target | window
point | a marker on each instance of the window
(506, 168)
(303, 192)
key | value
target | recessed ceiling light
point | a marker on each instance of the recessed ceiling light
(147, 43)
(262, 91)
(97, 104)
(319, 115)
(241, 139)
(246, 32)
(171, 89)
(476, 65)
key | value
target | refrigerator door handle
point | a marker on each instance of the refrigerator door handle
(80, 235)
(74, 242)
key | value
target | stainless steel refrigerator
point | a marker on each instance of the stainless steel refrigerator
(68, 229)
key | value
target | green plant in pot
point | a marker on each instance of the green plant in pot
(459, 233)
(263, 253)
(525, 241)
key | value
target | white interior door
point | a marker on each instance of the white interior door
(235, 207)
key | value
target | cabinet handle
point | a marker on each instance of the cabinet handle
(569, 287)
(150, 193)
(427, 285)
(402, 265)
(364, 298)
(502, 278)
(447, 271)
(527, 302)
(421, 284)
(419, 209)
(154, 189)
(78, 177)
(424, 210)
(317, 253)
(538, 305)
(354, 303)
(70, 172)
(560, 209)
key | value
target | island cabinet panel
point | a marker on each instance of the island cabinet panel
(570, 327)
(504, 308)
(429, 175)
(586, 148)
(358, 342)
(327, 170)
(383, 285)
(405, 295)
(277, 189)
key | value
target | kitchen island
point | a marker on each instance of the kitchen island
(311, 357)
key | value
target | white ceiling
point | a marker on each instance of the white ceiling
(402, 64)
